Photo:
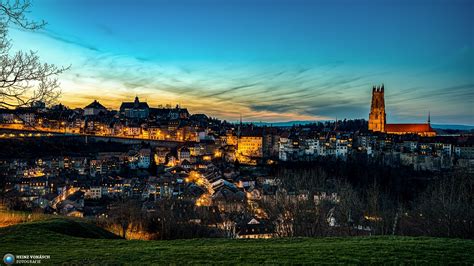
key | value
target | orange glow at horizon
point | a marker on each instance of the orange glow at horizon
(220, 110)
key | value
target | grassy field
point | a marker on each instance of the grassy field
(73, 241)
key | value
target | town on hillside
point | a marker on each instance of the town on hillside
(227, 179)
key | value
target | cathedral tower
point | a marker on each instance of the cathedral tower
(377, 110)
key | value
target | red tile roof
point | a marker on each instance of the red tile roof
(408, 128)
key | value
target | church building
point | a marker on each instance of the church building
(135, 109)
(377, 118)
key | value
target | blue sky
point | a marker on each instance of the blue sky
(269, 60)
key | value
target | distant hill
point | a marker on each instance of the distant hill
(455, 127)
(76, 242)
(282, 124)
(291, 123)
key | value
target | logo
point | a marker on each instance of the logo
(9, 259)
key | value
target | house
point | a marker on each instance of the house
(7, 116)
(184, 154)
(342, 148)
(93, 193)
(38, 105)
(140, 159)
(33, 186)
(193, 191)
(149, 192)
(160, 155)
(186, 164)
(199, 119)
(94, 108)
(250, 145)
(246, 182)
(26, 115)
(155, 132)
(227, 197)
(255, 229)
(18, 116)
(144, 156)
(135, 109)
(133, 130)
(178, 113)
(159, 113)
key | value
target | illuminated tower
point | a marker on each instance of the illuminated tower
(377, 110)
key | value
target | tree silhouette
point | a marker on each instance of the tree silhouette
(24, 79)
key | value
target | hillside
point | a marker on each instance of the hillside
(74, 241)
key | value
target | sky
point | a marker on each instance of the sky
(267, 60)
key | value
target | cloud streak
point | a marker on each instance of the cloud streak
(287, 96)
(259, 91)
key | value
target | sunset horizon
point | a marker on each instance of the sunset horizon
(292, 65)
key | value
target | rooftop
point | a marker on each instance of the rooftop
(411, 128)
(96, 105)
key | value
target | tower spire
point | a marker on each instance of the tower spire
(136, 102)
(377, 117)
(429, 117)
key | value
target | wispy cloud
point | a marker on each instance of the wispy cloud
(267, 92)
(68, 39)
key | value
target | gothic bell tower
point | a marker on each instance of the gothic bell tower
(377, 118)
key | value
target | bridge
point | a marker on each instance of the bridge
(8, 131)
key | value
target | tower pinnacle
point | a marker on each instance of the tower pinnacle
(377, 118)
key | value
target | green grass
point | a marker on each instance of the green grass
(73, 241)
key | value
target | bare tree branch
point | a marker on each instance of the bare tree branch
(23, 78)
(15, 11)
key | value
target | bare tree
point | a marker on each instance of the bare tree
(445, 208)
(24, 79)
(348, 211)
(380, 211)
(124, 213)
